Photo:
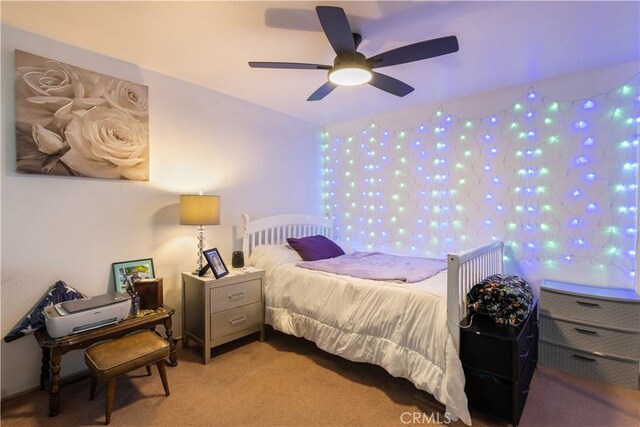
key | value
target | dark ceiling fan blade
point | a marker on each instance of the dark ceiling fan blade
(415, 52)
(391, 85)
(289, 65)
(336, 27)
(322, 91)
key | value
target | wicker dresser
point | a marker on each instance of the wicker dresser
(591, 331)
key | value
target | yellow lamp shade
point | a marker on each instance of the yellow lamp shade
(199, 210)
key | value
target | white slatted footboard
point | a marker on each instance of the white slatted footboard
(463, 272)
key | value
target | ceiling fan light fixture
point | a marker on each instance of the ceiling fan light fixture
(350, 75)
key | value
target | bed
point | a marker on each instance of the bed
(409, 329)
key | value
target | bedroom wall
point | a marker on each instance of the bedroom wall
(549, 167)
(72, 229)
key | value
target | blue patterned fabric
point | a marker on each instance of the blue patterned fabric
(506, 299)
(34, 320)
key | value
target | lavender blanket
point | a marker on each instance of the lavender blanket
(379, 266)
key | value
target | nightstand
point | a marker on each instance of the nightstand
(216, 311)
(498, 362)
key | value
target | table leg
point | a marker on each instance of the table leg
(44, 369)
(54, 387)
(173, 357)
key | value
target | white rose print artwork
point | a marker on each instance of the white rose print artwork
(75, 122)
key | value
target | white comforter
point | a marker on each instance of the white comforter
(401, 327)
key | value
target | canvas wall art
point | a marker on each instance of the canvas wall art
(75, 122)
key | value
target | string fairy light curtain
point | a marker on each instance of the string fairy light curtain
(555, 180)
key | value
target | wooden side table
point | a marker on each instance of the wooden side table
(54, 348)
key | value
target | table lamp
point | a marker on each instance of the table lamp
(199, 210)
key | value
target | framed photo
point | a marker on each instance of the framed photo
(215, 262)
(133, 270)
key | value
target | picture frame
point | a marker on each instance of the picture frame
(215, 262)
(133, 270)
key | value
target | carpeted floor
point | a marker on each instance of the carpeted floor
(287, 381)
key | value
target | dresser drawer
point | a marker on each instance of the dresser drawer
(593, 310)
(588, 337)
(234, 320)
(232, 296)
(602, 368)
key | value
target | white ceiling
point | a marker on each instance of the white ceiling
(209, 43)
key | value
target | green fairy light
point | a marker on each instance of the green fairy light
(462, 138)
(544, 171)
(550, 263)
(548, 121)
(547, 208)
(544, 227)
(541, 190)
(517, 107)
(612, 230)
(514, 125)
(462, 181)
(518, 153)
(402, 134)
(626, 90)
(519, 208)
(618, 112)
(553, 107)
(625, 144)
(522, 135)
(512, 226)
(468, 124)
(350, 139)
(459, 166)
(467, 153)
(550, 244)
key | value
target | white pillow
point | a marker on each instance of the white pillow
(270, 256)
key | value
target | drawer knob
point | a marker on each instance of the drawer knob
(586, 331)
(237, 296)
(238, 320)
(585, 358)
(588, 304)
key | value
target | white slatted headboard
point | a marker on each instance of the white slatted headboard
(275, 230)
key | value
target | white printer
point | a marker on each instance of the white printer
(81, 315)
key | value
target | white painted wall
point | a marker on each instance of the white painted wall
(72, 229)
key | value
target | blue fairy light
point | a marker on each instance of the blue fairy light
(581, 160)
(531, 95)
(590, 176)
(580, 124)
(531, 134)
(588, 142)
(494, 150)
(588, 105)
(493, 120)
(591, 207)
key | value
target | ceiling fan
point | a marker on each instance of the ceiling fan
(351, 68)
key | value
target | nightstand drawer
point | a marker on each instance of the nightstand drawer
(232, 296)
(235, 320)
(593, 338)
(592, 310)
(602, 368)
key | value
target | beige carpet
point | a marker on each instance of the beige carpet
(287, 381)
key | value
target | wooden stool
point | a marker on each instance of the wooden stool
(111, 359)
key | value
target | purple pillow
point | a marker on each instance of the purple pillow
(314, 248)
